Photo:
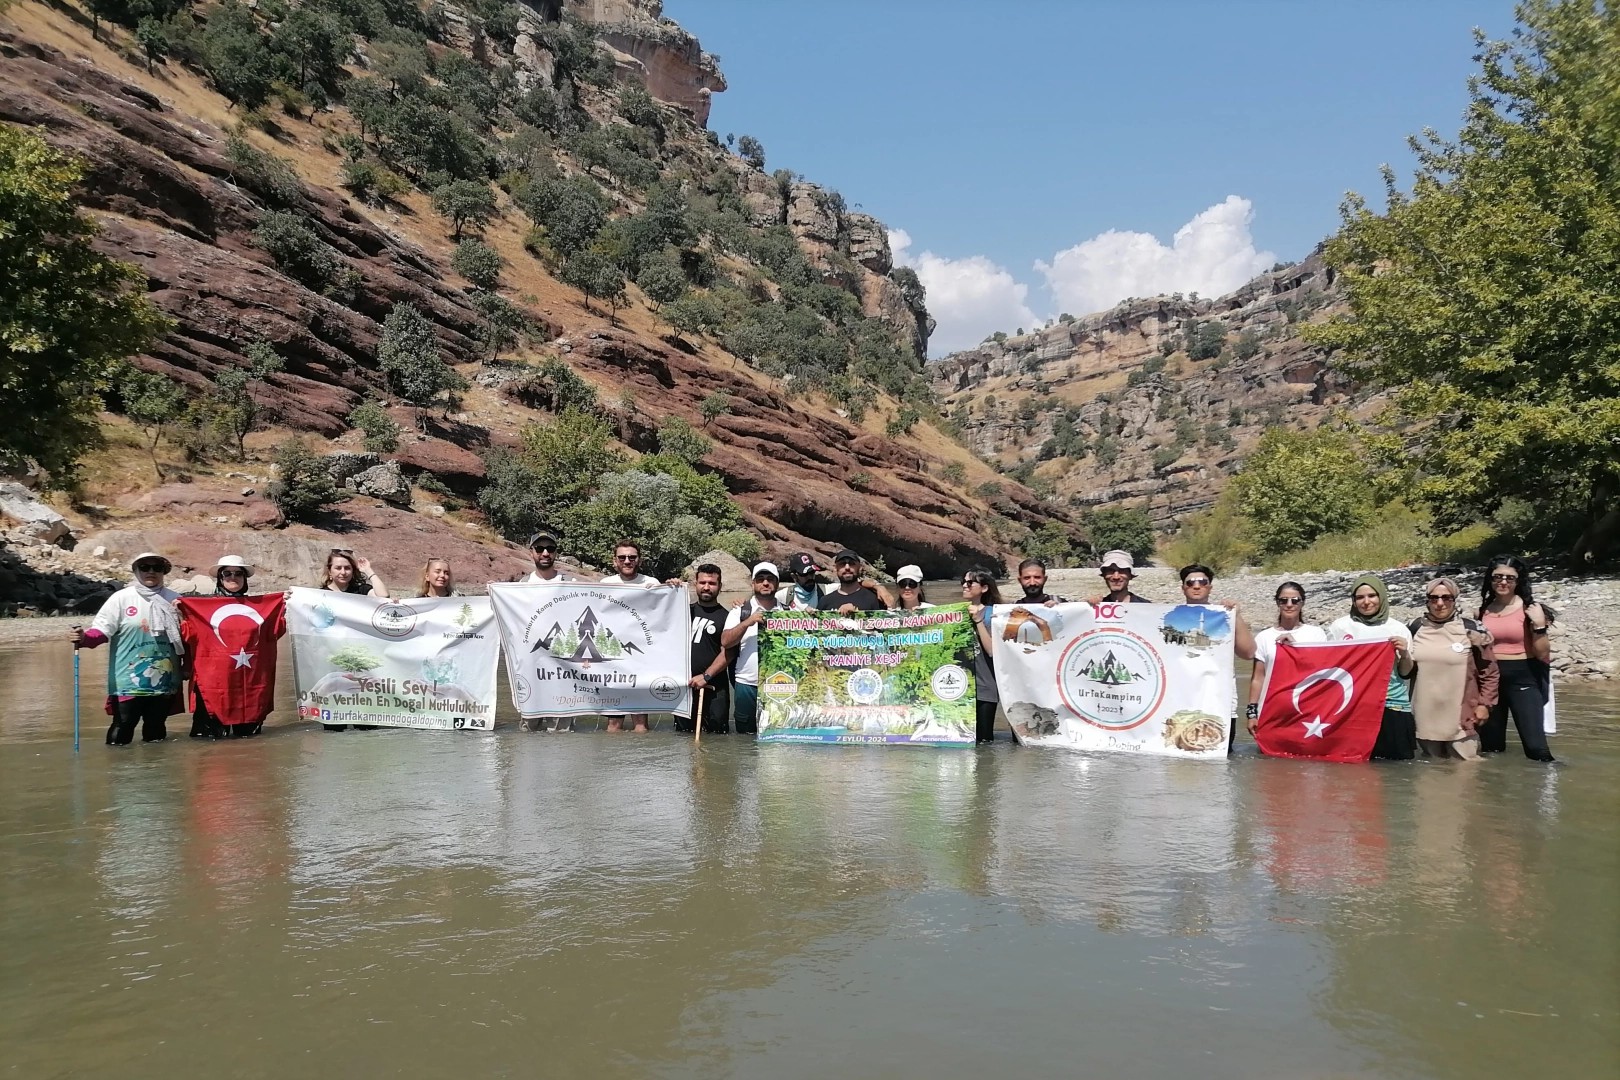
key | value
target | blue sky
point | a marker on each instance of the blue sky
(1002, 140)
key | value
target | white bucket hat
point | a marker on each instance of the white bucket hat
(234, 561)
(164, 559)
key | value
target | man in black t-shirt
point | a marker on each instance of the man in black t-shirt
(853, 594)
(709, 661)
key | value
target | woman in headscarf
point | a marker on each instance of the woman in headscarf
(1518, 625)
(231, 576)
(1454, 683)
(1369, 621)
(1289, 627)
(980, 592)
(143, 674)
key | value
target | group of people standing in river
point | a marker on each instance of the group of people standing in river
(1454, 684)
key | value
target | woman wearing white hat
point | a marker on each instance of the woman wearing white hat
(231, 576)
(143, 673)
(909, 583)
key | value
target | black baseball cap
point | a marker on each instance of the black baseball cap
(846, 556)
(543, 537)
(801, 564)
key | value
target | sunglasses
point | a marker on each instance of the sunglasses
(910, 585)
(149, 567)
(1504, 577)
(627, 558)
(1439, 598)
(343, 551)
(1196, 582)
(545, 547)
(233, 573)
(1289, 601)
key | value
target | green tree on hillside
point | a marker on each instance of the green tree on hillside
(1487, 298)
(153, 402)
(1116, 528)
(464, 202)
(408, 353)
(237, 57)
(1297, 486)
(238, 413)
(66, 312)
(479, 263)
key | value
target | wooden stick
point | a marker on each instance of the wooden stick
(699, 725)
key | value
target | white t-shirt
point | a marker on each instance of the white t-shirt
(1344, 628)
(747, 669)
(643, 580)
(1265, 642)
(561, 575)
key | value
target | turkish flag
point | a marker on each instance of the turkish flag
(231, 642)
(1325, 701)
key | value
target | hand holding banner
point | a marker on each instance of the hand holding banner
(1324, 701)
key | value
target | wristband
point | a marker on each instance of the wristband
(1538, 629)
(1253, 711)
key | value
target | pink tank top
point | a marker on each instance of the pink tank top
(1507, 627)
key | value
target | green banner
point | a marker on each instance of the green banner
(879, 677)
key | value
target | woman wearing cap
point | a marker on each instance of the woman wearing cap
(346, 573)
(909, 582)
(437, 579)
(1290, 627)
(231, 576)
(980, 592)
(143, 673)
(1454, 683)
(1369, 621)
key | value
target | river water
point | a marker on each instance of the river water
(401, 903)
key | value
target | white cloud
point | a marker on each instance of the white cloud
(970, 298)
(1212, 254)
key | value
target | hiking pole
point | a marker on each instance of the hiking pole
(699, 725)
(75, 697)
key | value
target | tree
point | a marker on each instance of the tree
(714, 406)
(1297, 486)
(464, 202)
(593, 274)
(153, 402)
(479, 263)
(238, 59)
(237, 412)
(408, 353)
(662, 281)
(572, 211)
(1204, 340)
(379, 434)
(303, 485)
(67, 313)
(317, 42)
(681, 440)
(152, 36)
(1052, 544)
(1216, 537)
(287, 239)
(752, 151)
(1486, 298)
(1115, 528)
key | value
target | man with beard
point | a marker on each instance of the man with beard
(1118, 568)
(543, 550)
(627, 571)
(1032, 579)
(741, 638)
(709, 660)
(853, 594)
(804, 593)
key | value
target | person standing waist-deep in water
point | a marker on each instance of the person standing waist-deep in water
(347, 573)
(1454, 683)
(1518, 625)
(1290, 628)
(142, 624)
(231, 575)
(710, 663)
(980, 592)
(1369, 621)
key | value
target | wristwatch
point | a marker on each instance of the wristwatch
(1538, 629)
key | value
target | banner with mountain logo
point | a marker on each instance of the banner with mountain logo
(903, 677)
(577, 648)
(1137, 678)
(422, 662)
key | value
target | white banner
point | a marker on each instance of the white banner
(424, 662)
(576, 648)
(1141, 678)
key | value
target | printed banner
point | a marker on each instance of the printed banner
(1324, 700)
(1140, 678)
(577, 648)
(425, 662)
(879, 677)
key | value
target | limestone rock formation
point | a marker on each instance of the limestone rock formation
(654, 52)
(383, 482)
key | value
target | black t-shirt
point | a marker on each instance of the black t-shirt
(863, 598)
(1130, 598)
(706, 625)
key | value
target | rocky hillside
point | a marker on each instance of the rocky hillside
(1154, 403)
(180, 184)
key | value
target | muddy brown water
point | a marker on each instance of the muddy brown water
(401, 903)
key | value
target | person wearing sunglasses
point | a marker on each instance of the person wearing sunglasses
(627, 571)
(1454, 684)
(142, 624)
(980, 591)
(1290, 627)
(1369, 620)
(1518, 625)
(909, 584)
(231, 576)
(543, 551)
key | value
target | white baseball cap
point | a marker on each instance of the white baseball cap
(767, 568)
(1120, 559)
(910, 573)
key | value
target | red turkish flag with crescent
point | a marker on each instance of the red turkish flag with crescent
(1325, 701)
(231, 643)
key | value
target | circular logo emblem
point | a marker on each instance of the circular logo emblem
(665, 688)
(520, 689)
(1111, 678)
(393, 620)
(949, 682)
(865, 686)
(132, 610)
